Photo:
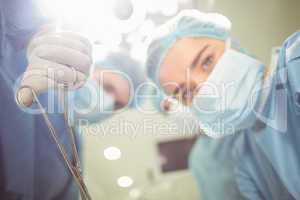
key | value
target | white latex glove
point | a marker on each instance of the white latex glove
(55, 58)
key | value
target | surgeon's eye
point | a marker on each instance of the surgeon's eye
(208, 62)
(176, 92)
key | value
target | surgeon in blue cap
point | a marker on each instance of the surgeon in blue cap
(116, 84)
(230, 92)
(210, 160)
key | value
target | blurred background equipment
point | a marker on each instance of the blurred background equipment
(174, 154)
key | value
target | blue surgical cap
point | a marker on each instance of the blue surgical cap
(133, 70)
(188, 23)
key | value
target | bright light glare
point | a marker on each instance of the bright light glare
(147, 27)
(112, 153)
(144, 30)
(138, 52)
(93, 15)
(153, 6)
(133, 38)
(107, 38)
(71, 11)
(138, 16)
(50, 8)
(166, 7)
(125, 181)
(184, 1)
(169, 8)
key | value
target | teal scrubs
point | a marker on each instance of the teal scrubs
(268, 156)
(212, 165)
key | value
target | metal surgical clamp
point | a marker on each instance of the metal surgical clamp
(74, 168)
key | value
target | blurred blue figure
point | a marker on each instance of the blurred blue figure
(115, 84)
(31, 166)
(211, 161)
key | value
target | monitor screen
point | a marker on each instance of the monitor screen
(174, 154)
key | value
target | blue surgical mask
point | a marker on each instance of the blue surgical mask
(183, 118)
(224, 103)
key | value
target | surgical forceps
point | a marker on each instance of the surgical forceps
(74, 168)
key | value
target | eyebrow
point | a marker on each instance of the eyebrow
(198, 56)
(191, 66)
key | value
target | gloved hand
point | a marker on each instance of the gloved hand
(55, 58)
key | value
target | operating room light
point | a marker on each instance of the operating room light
(137, 18)
(142, 33)
(138, 52)
(169, 7)
(112, 153)
(94, 16)
(125, 181)
(183, 1)
(147, 27)
(153, 6)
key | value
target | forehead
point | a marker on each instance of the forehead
(173, 69)
(181, 50)
(114, 78)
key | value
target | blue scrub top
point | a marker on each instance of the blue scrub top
(268, 158)
(212, 165)
(31, 166)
